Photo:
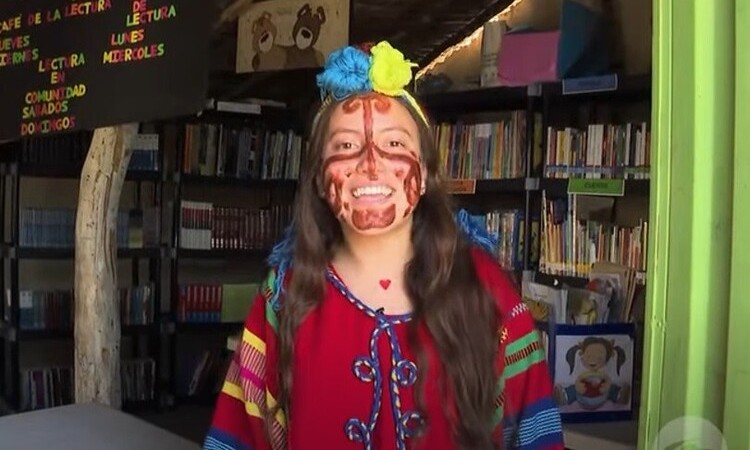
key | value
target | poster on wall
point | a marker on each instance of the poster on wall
(593, 373)
(290, 34)
(76, 65)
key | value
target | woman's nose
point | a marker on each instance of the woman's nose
(369, 161)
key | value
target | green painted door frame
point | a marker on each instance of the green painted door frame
(697, 337)
(736, 406)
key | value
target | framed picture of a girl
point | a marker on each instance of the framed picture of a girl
(593, 371)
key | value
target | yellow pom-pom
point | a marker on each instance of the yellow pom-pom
(390, 72)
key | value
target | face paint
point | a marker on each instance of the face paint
(367, 219)
(372, 170)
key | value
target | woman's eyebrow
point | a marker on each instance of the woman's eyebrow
(396, 128)
(336, 131)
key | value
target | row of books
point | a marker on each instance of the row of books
(204, 226)
(599, 151)
(571, 245)
(508, 228)
(241, 152)
(46, 387)
(610, 296)
(70, 150)
(63, 149)
(53, 310)
(137, 305)
(477, 151)
(145, 153)
(55, 228)
(213, 303)
(483, 150)
(138, 379)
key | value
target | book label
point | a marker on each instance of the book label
(586, 186)
(602, 83)
(462, 186)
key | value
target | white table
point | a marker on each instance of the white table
(601, 436)
(85, 426)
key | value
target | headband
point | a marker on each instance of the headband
(367, 68)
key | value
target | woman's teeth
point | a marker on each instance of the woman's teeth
(372, 190)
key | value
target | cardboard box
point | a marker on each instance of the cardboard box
(579, 48)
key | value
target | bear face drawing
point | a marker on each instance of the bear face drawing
(307, 28)
(305, 34)
(268, 55)
(264, 33)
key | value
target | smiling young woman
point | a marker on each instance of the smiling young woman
(386, 322)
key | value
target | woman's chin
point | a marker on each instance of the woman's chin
(373, 217)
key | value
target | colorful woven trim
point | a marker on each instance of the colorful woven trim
(367, 68)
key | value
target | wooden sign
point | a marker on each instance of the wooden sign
(290, 34)
(461, 186)
(69, 65)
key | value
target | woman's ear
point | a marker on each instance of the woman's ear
(319, 187)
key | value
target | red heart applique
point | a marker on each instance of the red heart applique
(385, 283)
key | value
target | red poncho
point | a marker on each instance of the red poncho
(354, 375)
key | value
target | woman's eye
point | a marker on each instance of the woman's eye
(345, 146)
(395, 144)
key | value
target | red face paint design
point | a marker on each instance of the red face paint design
(367, 219)
(373, 174)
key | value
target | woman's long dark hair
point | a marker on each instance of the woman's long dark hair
(446, 293)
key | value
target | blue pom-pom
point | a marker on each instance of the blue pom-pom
(346, 72)
(281, 258)
(475, 232)
(284, 249)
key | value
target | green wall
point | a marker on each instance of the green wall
(698, 335)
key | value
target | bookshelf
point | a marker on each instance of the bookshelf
(548, 108)
(39, 239)
(234, 179)
(581, 146)
(483, 139)
(160, 160)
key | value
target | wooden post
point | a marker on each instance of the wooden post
(97, 315)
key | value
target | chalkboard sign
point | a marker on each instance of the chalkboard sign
(69, 65)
